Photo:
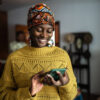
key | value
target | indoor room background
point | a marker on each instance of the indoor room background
(74, 16)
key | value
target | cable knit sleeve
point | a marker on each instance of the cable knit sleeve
(8, 90)
(69, 91)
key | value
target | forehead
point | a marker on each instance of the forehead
(45, 26)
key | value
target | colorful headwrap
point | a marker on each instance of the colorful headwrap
(40, 14)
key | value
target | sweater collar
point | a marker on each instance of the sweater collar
(39, 51)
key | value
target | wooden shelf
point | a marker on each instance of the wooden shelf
(80, 58)
(83, 66)
(83, 86)
(77, 53)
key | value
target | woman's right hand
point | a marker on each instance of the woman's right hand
(36, 85)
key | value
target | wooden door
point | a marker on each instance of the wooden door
(57, 33)
(3, 35)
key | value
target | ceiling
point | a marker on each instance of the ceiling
(7, 5)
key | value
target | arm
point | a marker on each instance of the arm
(66, 85)
(8, 90)
(68, 91)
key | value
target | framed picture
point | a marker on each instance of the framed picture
(23, 28)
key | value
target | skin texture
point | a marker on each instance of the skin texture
(63, 79)
(40, 35)
(36, 85)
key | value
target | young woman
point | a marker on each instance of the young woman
(26, 67)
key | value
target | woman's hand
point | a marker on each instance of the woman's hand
(63, 79)
(36, 85)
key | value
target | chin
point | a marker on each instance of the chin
(42, 45)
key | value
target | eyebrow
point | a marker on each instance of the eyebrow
(43, 27)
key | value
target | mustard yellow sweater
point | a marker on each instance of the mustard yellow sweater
(22, 64)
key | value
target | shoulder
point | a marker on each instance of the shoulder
(17, 53)
(60, 50)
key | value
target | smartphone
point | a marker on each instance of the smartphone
(55, 75)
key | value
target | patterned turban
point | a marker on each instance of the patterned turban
(40, 14)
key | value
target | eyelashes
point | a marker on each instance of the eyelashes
(42, 30)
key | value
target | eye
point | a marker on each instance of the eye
(39, 29)
(50, 30)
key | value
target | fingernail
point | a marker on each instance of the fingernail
(48, 75)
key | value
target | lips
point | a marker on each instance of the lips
(42, 41)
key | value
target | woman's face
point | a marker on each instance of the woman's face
(40, 35)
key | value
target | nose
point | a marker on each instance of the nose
(44, 34)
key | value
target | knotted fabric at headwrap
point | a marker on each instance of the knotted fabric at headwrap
(40, 14)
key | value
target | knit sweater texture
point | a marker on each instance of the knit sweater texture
(22, 64)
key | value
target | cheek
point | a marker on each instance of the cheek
(36, 34)
(49, 37)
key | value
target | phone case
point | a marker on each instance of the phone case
(55, 75)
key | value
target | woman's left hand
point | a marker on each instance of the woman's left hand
(63, 79)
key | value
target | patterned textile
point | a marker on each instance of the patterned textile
(40, 14)
(22, 64)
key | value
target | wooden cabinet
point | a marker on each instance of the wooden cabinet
(57, 33)
(80, 56)
(3, 35)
